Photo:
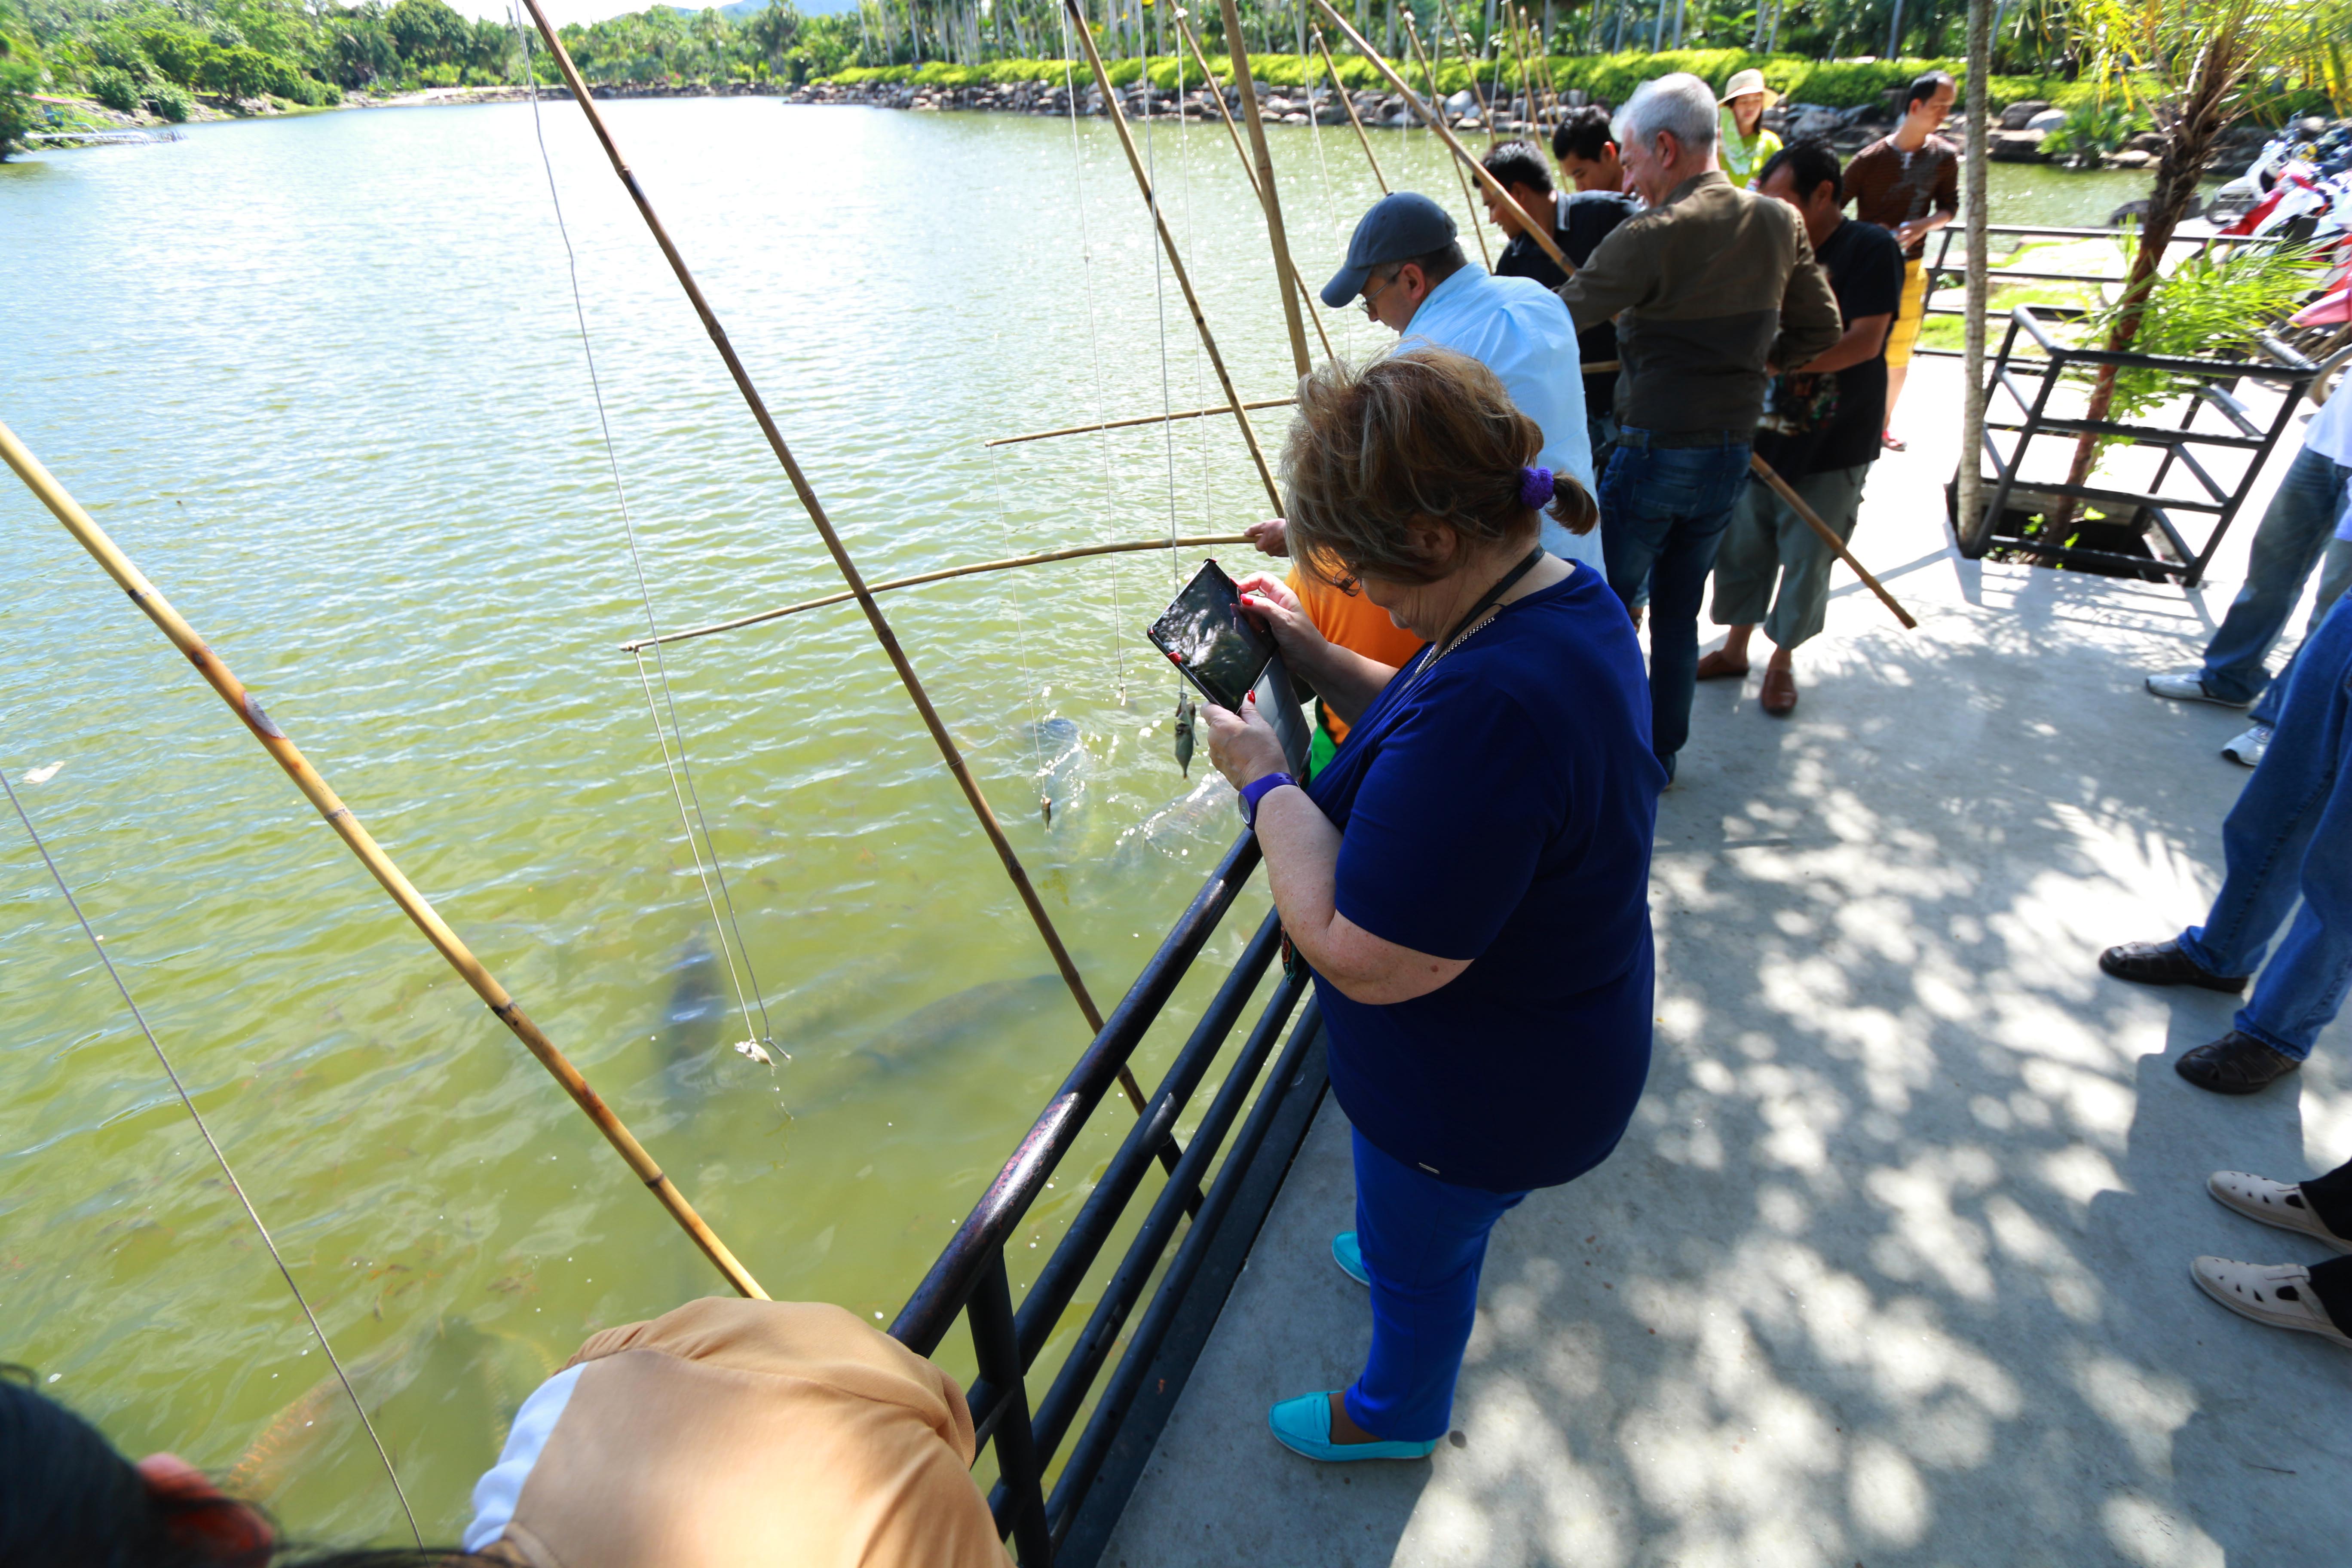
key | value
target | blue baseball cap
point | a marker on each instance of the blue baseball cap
(1398, 228)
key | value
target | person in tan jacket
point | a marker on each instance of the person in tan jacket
(731, 1433)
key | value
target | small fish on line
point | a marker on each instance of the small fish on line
(1184, 732)
(43, 776)
(758, 1052)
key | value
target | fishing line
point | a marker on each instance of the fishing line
(1093, 347)
(219, 1158)
(1159, 297)
(1200, 388)
(762, 1032)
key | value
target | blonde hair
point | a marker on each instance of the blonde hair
(1423, 437)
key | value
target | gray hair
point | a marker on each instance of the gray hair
(1680, 105)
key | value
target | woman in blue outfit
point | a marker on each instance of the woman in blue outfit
(1468, 879)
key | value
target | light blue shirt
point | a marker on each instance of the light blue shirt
(1519, 330)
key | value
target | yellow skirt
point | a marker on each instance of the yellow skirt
(1905, 330)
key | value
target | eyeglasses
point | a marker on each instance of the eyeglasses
(1371, 295)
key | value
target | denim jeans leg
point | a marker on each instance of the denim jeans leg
(2334, 577)
(2275, 825)
(2303, 989)
(2295, 531)
(1629, 541)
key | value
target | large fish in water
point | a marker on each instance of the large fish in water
(979, 1015)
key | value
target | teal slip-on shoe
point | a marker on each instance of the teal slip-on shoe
(1350, 1259)
(1303, 1426)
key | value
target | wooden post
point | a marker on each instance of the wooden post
(948, 750)
(1268, 198)
(1175, 258)
(362, 844)
(1353, 119)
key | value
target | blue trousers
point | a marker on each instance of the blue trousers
(2334, 577)
(1663, 512)
(2294, 532)
(2290, 833)
(1423, 1242)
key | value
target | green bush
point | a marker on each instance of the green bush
(1608, 78)
(442, 75)
(2090, 130)
(168, 101)
(116, 89)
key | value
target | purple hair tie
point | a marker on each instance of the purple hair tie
(1535, 488)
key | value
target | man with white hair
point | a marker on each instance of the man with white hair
(1712, 288)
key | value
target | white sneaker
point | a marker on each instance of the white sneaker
(2272, 1202)
(2278, 1294)
(2189, 686)
(2249, 747)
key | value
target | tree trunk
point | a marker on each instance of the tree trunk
(2203, 110)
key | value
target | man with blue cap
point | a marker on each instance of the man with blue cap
(1407, 265)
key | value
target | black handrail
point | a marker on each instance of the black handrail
(923, 1321)
(971, 1278)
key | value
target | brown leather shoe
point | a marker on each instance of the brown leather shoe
(2163, 963)
(2235, 1064)
(1780, 699)
(1715, 665)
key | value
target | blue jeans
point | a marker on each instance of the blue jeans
(2296, 529)
(2334, 577)
(1423, 1241)
(1663, 512)
(2290, 833)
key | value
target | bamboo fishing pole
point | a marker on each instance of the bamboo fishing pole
(346, 824)
(1139, 420)
(1353, 119)
(1589, 367)
(1249, 172)
(948, 750)
(1168, 243)
(1527, 81)
(1041, 558)
(1412, 36)
(1462, 43)
(1237, 57)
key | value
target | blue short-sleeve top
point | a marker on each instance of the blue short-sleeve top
(1499, 807)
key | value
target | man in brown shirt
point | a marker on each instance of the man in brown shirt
(1908, 182)
(1711, 286)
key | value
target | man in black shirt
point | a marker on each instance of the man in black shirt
(1578, 223)
(1824, 450)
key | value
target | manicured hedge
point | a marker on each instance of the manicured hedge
(1839, 84)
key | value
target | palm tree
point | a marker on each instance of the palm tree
(2195, 66)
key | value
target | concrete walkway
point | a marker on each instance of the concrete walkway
(1892, 1266)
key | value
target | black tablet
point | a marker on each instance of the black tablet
(1205, 635)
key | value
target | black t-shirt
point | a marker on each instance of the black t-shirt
(1865, 270)
(1579, 223)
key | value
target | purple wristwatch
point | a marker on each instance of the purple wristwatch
(1258, 790)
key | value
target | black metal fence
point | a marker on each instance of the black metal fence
(1941, 267)
(970, 1277)
(2211, 385)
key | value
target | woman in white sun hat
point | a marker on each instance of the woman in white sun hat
(1746, 145)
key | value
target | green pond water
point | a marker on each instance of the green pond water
(321, 379)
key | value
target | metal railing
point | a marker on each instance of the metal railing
(970, 1277)
(1943, 266)
(2214, 381)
